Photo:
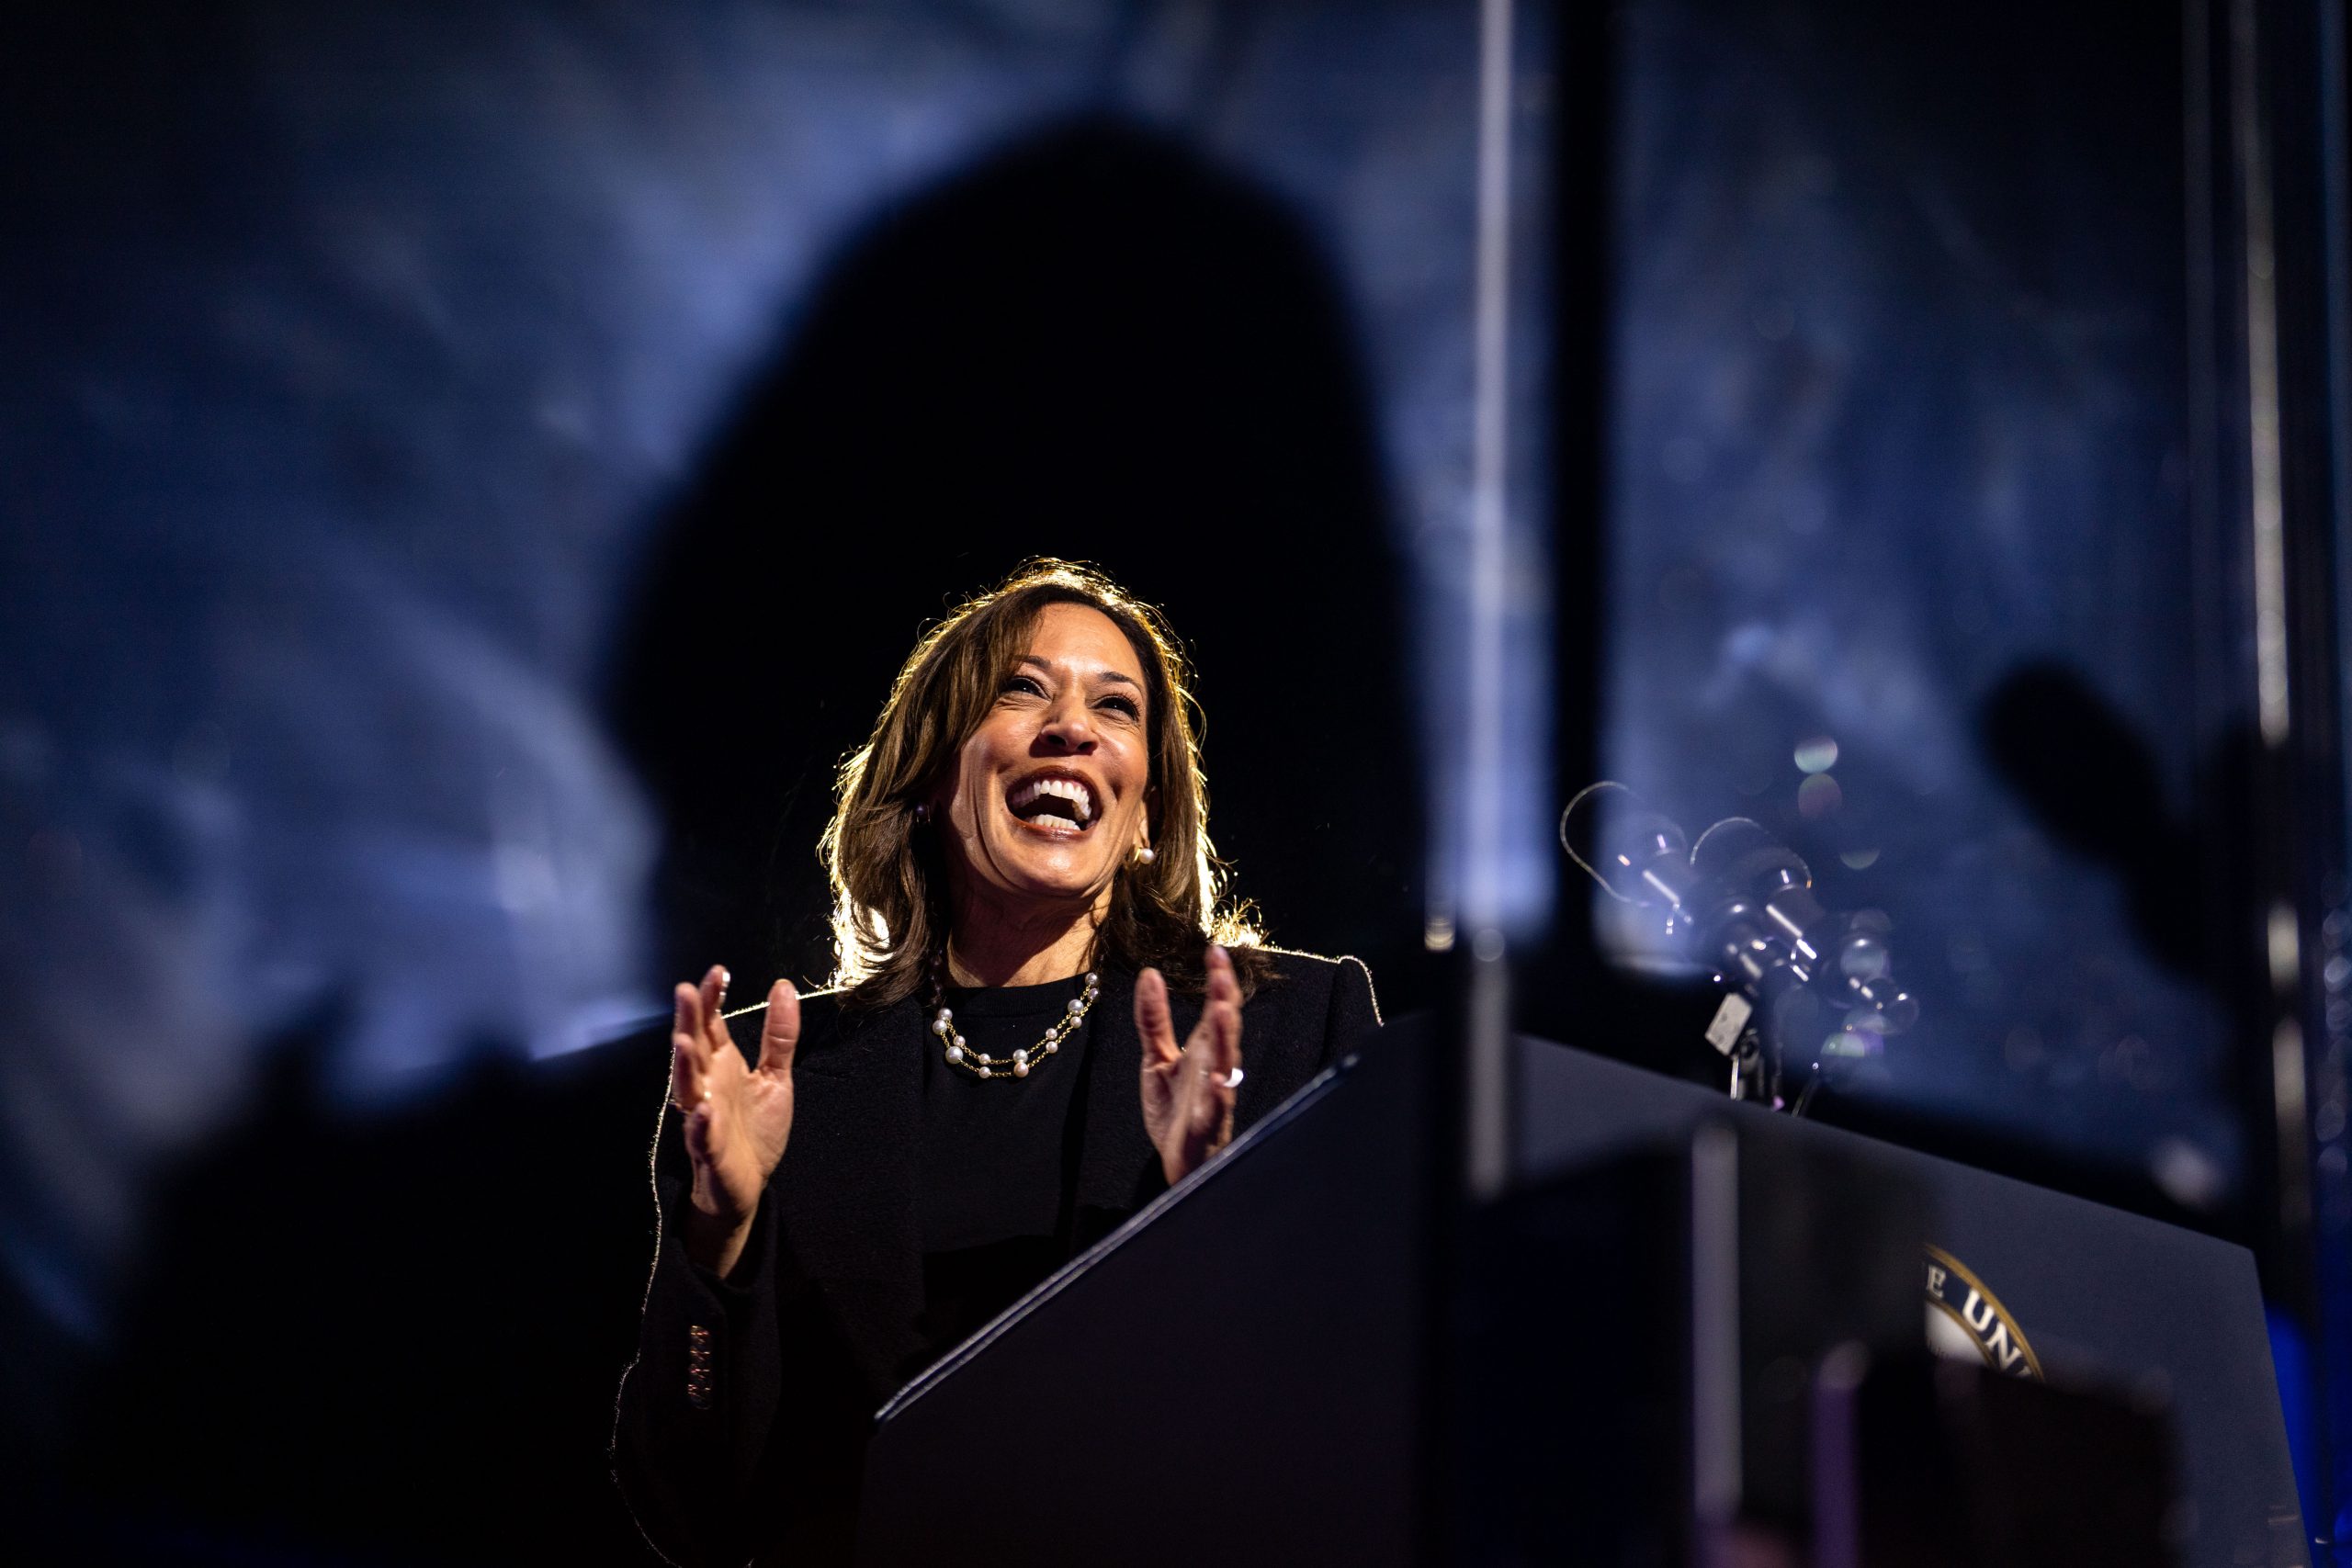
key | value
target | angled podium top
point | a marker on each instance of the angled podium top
(1224, 1368)
(2068, 1288)
(1235, 1373)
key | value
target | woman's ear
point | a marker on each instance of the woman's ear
(931, 804)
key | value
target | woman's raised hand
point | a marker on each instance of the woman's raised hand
(1188, 1094)
(738, 1117)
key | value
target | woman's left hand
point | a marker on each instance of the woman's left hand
(1188, 1094)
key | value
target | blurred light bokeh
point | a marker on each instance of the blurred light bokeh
(1903, 561)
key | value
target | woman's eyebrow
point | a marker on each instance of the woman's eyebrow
(1099, 677)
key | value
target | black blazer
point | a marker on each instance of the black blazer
(742, 1422)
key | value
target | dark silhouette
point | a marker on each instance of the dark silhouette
(2093, 784)
(1095, 345)
(384, 1335)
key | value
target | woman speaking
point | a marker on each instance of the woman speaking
(1037, 1022)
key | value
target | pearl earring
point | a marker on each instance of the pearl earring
(1146, 854)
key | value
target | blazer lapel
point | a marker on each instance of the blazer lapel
(849, 1205)
(847, 1197)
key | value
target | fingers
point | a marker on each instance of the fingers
(1219, 1029)
(689, 1063)
(697, 1033)
(1153, 1021)
(713, 997)
(780, 1035)
(1225, 986)
(1221, 1051)
(1188, 1094)
(1217, 1044)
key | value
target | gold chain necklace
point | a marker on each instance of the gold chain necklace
(979, 1064)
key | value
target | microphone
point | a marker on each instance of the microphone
(1637, 854)
(1742, 902)
(1841, 957)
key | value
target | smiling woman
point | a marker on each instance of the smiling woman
(1056, 674)
(1026, 910)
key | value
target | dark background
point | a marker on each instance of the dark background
(469, 474)
(473, 477)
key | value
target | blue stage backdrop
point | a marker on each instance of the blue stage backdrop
(1901, 558)
(471, 474)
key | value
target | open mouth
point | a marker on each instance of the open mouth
(1053, 802)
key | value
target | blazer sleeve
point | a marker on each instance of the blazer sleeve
(697, 1406)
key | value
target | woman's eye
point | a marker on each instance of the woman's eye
(1123, 705)
(1024, 683)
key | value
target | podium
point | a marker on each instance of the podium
(1298, 1356)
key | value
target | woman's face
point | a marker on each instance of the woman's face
(1047, 798)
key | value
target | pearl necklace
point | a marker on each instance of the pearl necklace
(979, 1064)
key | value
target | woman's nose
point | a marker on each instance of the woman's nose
(1069, 724)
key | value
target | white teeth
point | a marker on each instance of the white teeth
(1070, 789)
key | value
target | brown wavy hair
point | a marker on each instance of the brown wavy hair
(888, 870)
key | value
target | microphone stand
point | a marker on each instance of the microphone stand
(1741, 903)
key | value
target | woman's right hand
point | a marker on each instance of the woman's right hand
(737, 1116)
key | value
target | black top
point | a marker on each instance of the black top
(995, 1196)
(742, 1422)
